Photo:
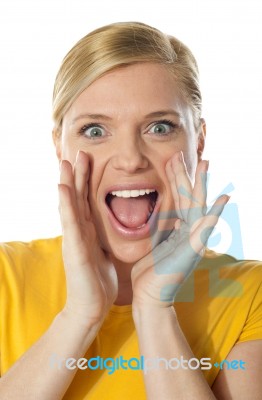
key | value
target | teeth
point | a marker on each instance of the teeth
(132, 193)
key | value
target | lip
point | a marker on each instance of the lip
(134, 233)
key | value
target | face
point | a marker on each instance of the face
(130, 122)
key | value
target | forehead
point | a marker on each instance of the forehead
(134, 89)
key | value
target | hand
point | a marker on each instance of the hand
(90, 275)
(157, 277)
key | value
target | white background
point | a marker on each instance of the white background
(226, 38)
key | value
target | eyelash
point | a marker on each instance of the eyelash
(168, 122)
(87, 126)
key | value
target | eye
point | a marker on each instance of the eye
(92, 131)
(162, 128)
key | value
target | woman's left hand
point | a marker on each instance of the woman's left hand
(156, 278)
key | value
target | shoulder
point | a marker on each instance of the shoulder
(25, 259)
(221, 276)
(212, 259)
(228, 273)
(22, 248)
(39, 247)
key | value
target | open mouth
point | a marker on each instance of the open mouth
(132, 208)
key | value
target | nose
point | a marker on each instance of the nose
(129, 156)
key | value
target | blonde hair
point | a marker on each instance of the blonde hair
(118, 45)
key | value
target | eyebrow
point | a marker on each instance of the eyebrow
(160, 113)
(90, 116)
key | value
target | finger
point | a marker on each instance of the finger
(199, 194)
(68, 215)
(200, 190)
(67, 178)
(81, 175)
(183, 183)
(218, 207)
(172, 180)
(204, 226)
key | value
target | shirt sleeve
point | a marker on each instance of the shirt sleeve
(252, 329)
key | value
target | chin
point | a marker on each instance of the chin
(130, 252)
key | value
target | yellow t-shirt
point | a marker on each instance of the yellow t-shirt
(219, 305)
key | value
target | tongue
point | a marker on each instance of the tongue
(131, 212)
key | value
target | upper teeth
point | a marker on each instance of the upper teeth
(132, 193)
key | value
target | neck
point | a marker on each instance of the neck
(125, 292)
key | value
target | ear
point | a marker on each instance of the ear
(56, 134)
(201, 139)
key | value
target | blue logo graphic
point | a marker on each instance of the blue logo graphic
(224, 238)
(234, 364)
(141, 363)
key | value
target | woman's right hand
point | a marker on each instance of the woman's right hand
(90, 275)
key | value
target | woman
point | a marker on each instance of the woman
(123, 306)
